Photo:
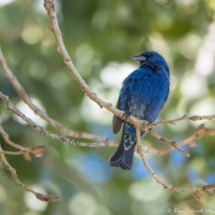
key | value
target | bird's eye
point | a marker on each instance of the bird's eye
(151, 55)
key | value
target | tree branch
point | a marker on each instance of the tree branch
(7, 140)
(200, 132)
(23, 95)
(173, 143)
(185, 117)
(139, 124)
(13, 153)
(42, 197)
(36, 150)
(41, 130)
(195, 191)
(142, 124)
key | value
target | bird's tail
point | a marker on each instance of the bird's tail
(123, 158)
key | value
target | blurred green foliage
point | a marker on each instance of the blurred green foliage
(101, 38)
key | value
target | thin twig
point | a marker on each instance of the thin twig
(7, 140)
(173, 143)
(159, 181)
(36, 150)
(41, 130)
(13, 153)
(200, 132)
(42, 197)
(185, 117)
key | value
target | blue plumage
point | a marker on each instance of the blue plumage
(143, 95)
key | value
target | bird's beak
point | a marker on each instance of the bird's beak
(139, 58)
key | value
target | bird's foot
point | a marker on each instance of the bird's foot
(127, 115)
(145, 123)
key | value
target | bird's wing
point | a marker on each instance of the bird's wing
(158, 97)
(117, 122)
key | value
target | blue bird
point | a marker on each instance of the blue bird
(143, 95)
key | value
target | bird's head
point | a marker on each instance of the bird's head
(152, 59)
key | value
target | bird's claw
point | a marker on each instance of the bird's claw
(127, 115)
(145, 123)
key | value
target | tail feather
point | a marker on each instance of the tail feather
(123, 158)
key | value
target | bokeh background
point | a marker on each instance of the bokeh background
(101, 38)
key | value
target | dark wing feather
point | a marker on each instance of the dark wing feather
(117, 122)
